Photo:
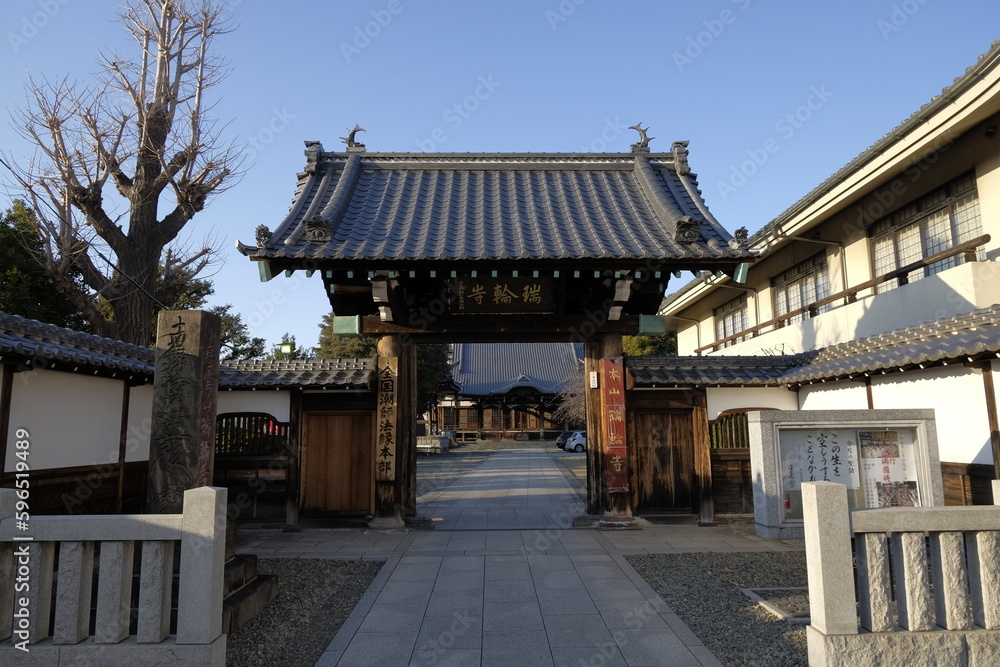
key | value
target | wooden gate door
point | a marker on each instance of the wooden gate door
(337, 463)
(661, 451)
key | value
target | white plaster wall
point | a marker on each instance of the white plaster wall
(988, 185)
(687, 339)
(691, 336)
(952, 292)
(274, 402)
(956, 393)
(721, 399)
(72, 419)
(140, 419)
(843, 395)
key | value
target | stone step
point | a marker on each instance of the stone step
(240, 607)
(240, 571)
(671, 517)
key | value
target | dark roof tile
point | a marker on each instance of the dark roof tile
(711, 371)
(46, 345)
(496, 207)
(480, 369)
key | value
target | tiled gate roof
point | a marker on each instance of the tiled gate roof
(518, 206)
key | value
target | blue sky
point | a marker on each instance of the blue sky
(814, 82)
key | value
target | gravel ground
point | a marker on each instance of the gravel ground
(704, 590)
(315, 598)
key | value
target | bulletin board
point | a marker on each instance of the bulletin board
(878, 465)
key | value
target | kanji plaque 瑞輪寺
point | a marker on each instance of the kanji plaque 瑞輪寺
(501, 296)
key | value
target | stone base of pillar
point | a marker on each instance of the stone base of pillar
(617, 521)
(386, 523)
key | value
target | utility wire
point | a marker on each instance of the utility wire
(130, 279)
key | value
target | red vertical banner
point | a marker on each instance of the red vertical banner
(613, 424)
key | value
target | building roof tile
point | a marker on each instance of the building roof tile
(339, 373)
(38, 345)
(523, 206)
(481, 369)
(710, 371)
(964, 337)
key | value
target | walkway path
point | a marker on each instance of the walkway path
(505, 580)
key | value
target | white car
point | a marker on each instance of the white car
(576, 442)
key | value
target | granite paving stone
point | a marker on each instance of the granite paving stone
(501, 649)
(569, 630)
(539, 593)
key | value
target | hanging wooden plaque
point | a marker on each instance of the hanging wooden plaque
(385, 430)
(501, 296)
(613, 424)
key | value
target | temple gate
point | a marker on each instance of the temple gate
(514, 247)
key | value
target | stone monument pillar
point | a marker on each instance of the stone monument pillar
(182, 440)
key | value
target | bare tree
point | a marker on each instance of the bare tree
(573, 400)
(143, 128)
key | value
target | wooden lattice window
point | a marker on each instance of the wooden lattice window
(941, 219)
(250, 434)
(801, 285)
(731, 318)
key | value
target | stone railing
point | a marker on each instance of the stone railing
(434, 444)
(927, 585)
(30, 581)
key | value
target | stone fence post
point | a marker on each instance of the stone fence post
(830, 563)
(203, 550)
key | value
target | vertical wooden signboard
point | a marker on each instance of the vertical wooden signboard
(613, 424)
(385, 433)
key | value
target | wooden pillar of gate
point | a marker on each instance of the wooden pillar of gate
(702, 460)
(407, 441)
(597, 488)
(394, 467)
(603, 499)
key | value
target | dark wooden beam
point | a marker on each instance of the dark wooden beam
(407, 433)
(597, 488)
(386, 297)
(293, 479)
(702, 460)
(6, 389)
(623, 292)
(122, 442)
(991, 413)
(509, 328)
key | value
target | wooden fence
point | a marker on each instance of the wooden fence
(251, 460)
(729, 431)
